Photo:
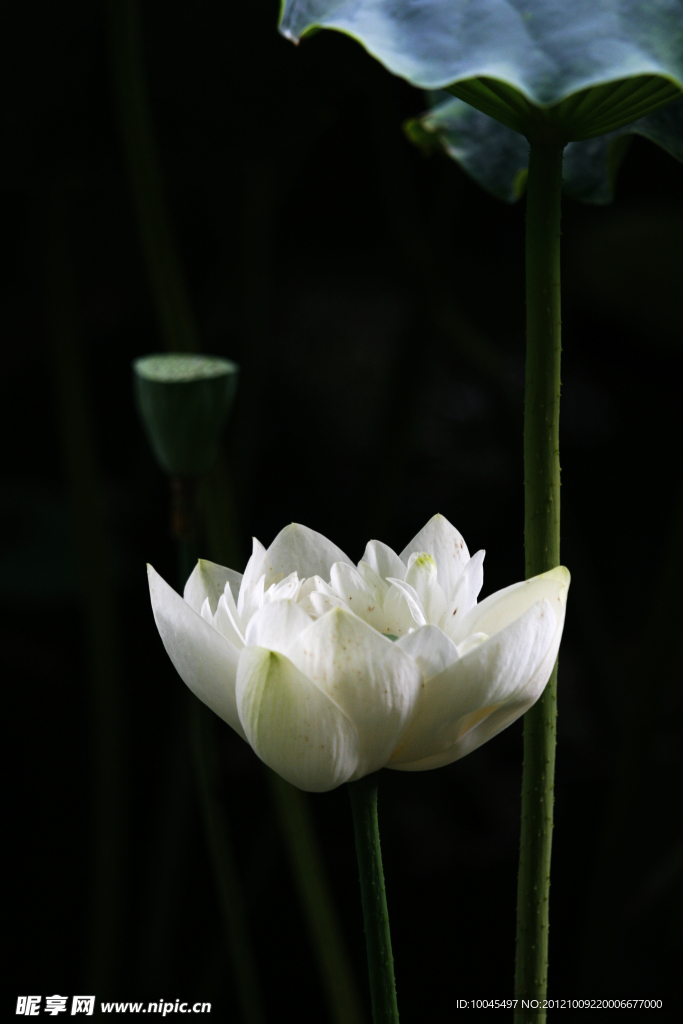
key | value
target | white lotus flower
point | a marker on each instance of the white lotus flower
(332, 671)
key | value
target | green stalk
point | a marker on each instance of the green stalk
(105, 672)
(307, 865)
(178, 326)
(179, 330)
(205, 758)
(375, 913)
(205, 754)
(542, 545)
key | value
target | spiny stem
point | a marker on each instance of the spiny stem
(542, 545)
(375, 913)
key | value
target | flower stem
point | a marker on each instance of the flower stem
(542, 545)
(375, 913)
(205, 755)
(176, 318)
(308, 869)
(214, 818)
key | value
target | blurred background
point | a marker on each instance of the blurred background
(179, 176)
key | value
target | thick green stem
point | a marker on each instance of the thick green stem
(542, 544)
(375, 914)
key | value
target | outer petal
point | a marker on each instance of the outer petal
(448, 549)
(503, 607)
(292, 725)
(430, 648)
(373, 680)
(204, 659)
(276, 626)
(383, 560)
(510, 668)
(209, 580)
(296, 548)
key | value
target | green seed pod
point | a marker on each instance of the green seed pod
(183, 401)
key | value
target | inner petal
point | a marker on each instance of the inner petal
(422, 575)
(361, 598)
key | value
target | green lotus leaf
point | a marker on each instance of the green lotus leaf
(498, 157)
(549, 69)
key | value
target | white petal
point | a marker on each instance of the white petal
(252, 573)
(377, 585)
(320, 603)
(287, 589)
(296, 548)
(361, 599)
(373, 680)
(472, 641)
(276, 625)
(253, 600)
(503, 607)
(292, 725)
(383, 560)
(227, 622)
(465, 593)
(210, 580)
(422, 576)
(402, 608)
(316, 585)
(205, 660)
(509, 669)
(430, 648)
(443, 542)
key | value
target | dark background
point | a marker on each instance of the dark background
(374, 301)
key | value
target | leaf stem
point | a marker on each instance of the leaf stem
(375, 913)
(542, 546)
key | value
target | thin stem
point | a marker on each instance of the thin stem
(105, 673)
(298, 828)
(309, 873)
(224, 866)
(542, 544)
(205, 759)
(375, 913)
(178, 326)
